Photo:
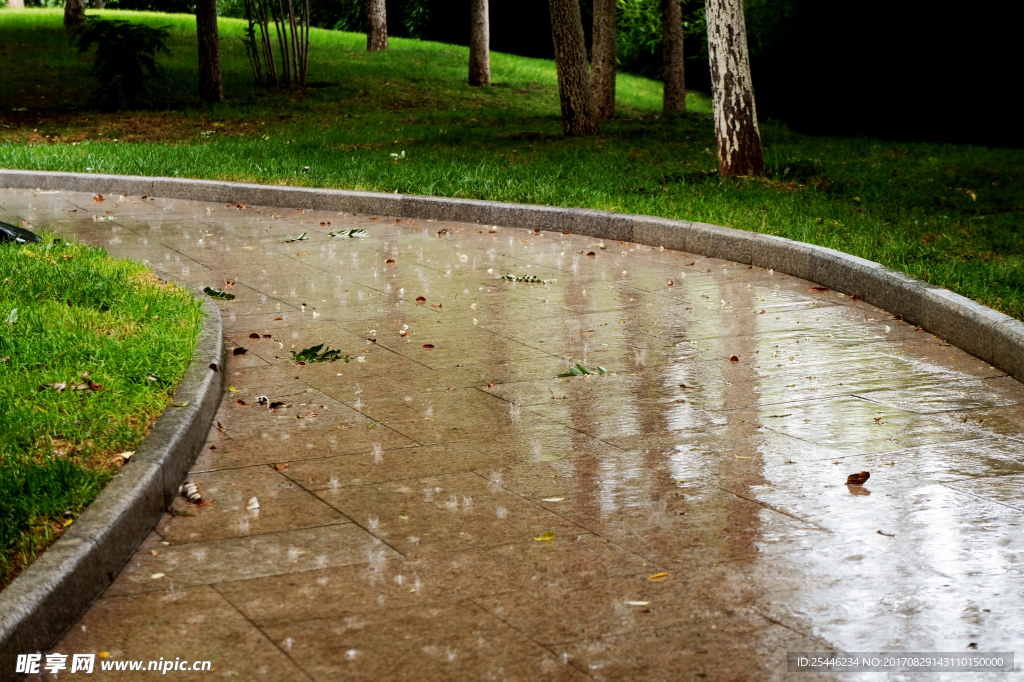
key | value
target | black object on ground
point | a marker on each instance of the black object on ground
(18, 235)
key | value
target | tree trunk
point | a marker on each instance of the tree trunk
(15, 4)
(739, 141)
(675, 70)
(99, 4)
(602, 60)
(376, 25)
(74, 14)
(579, 113)
(479, 43)
(211, 88)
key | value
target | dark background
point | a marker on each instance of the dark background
(901, 70)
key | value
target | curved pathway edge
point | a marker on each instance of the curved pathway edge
(981, 331)
(47, 598)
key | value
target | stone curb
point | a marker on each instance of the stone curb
(47, 598)
(985, 333)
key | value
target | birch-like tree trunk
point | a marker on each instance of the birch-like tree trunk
(15, 4)
(376, 25)
(479, 43)
(211, 87)
(602, 58)
(675, 70)
(579, 113)
(739, 141)
(74, 13)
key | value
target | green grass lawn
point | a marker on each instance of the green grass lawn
(86, 365)
(949, 214)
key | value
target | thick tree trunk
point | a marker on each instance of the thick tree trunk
(602, 60)
(579, 113)
(15, 4)
(675, 70)
(739, 141)
(211, 88)
(74, 13)
(376, 25)
(479, 43)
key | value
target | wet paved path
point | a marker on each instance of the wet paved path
(404, 497)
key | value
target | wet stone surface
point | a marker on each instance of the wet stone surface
(444, 506)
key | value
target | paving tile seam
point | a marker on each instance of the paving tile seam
(952, 486)
(549, 648)
(774, 508)
(262, 632)
(358, 453)
(360, 526)
(585, 529)
(912, 449)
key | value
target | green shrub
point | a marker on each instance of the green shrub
(125, 56)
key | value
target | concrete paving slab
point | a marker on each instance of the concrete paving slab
(406, 497)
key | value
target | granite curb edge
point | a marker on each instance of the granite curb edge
(50, 595)
(981, 331)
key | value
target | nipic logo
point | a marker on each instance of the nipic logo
(30, 663)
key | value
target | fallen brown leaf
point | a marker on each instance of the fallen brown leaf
(254, 335)
(420, 300)
(819, 289)
(428, 346)
(239, 351)
(734, 358)
(858, 479)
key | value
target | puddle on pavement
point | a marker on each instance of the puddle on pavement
(717, 448)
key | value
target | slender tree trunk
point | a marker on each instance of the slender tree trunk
(376, 25)
(479, 43)
(675, 71)
(603, 55)
(305, 49)
(74, 13)
(211, 88)
(99, 4)
(282, 35)
(15, 4)
(296, 40)
(579, 113)
(739, 141)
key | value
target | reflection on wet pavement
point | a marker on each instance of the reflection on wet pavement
(444, 506)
